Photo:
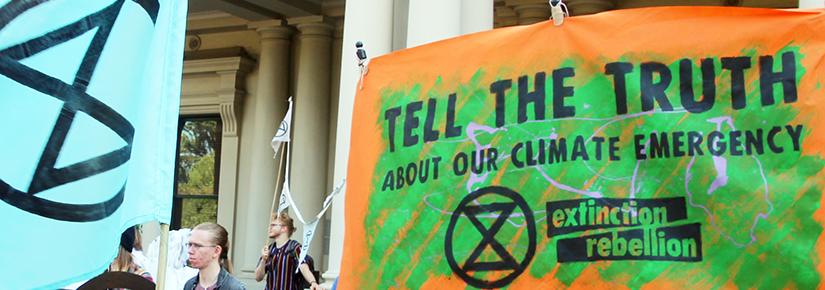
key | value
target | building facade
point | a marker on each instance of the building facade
(245, 58)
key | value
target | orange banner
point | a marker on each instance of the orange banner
(662, 147)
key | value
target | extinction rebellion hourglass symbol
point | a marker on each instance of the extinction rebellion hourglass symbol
(506, 266)
(75, 99)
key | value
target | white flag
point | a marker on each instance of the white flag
(282, 135)
(284, 200)
(294, 206)
(286, 196)
(309, 231)
(328, 200)
(283, 203)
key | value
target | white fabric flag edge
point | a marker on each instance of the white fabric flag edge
(282, 201)
(294, 207)
(286, 185)
(309, 229)
(328, 200)
(309, 232)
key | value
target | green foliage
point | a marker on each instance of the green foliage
(196, 160)
(196, 211)
(196, 171)
(201, 177)
(199, 137)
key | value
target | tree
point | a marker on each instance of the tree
(198, 140)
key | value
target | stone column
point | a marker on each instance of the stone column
(374, 28)
(530, 11)
(431, 20)
(269, 106)
(583, 7)
(335, 80)
(335, 90)
(811, 3)
(476, 15)
(310, 133)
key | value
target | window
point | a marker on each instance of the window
(196, 171)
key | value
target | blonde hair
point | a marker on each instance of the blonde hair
(219, 237)
(123, 262)
(286, 220)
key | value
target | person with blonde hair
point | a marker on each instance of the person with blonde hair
(208, 248)
(279, 260)
(124, 262)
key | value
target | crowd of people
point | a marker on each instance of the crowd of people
(208, 246)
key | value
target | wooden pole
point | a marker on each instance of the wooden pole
(164, 250)
(275, 195)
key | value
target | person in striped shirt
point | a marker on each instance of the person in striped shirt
(280, 258)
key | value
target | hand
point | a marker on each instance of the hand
(315, 286)
(265, 253)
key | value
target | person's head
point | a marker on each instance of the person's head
(127, 239)
(123, 260)
(209, 243)
(281, 224)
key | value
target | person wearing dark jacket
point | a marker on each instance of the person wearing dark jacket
(208, 248)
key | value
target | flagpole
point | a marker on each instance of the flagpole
(164, 250)
(275, 194)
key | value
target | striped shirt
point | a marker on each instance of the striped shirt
(281, 265)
